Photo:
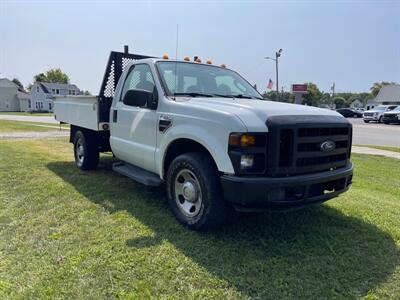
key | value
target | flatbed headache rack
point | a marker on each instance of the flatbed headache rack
(117, 62)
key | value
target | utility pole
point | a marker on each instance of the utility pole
(277, 55)
(333, 90)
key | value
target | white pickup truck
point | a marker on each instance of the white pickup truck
(208, 135)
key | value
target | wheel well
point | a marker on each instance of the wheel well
(181, 146)
(102, 138)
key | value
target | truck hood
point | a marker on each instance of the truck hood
(392, 112)
(254, 113)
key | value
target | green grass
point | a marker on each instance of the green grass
(18, 126)
(393, 149)
(21, 113)
(95, 235)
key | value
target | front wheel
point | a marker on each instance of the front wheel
(86, 151)
(194, 191)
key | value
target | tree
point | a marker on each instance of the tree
(375, 88)
(40, 78)
(313, 95)
(87, 93)
(339, 101)
(19, 84)
(52, 75)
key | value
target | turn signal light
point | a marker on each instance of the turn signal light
(247, 140)
(242, 140)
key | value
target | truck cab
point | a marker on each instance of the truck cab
(206, 134)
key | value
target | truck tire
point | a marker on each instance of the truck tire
(194, 191)
(86, 150)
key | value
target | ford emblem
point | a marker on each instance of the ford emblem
(327, 146)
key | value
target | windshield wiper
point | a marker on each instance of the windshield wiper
(193, 94)
(246, 97)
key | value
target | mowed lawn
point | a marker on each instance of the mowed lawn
(19, 126)
(94, 235)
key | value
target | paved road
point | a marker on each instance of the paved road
(375, 133)
(32, 135)
(39, 119)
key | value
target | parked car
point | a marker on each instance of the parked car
(392, 116)
(349, 113)
(376, 114)
(206, 134)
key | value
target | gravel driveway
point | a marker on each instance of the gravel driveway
(39, 119)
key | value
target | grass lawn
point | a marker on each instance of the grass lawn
(393, 149)
(72, 234)
(21, 113)
(12, 126)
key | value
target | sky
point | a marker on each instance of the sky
(351, 43)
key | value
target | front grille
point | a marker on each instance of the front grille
(368, 114)
(390, 116)
(299, 148)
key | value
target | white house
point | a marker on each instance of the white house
(11, 98)
(389, 94)
(42, 94)
(356, 104)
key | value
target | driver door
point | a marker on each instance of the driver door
(134, 129)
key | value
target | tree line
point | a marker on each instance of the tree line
(316, 97)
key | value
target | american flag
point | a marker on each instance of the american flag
(270, 84)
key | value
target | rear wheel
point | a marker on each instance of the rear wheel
(194, 191)
(86, 151)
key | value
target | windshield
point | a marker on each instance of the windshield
(380, 108)
(203, 81)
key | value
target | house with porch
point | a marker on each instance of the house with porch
(42, 94)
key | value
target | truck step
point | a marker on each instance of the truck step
(138, 174)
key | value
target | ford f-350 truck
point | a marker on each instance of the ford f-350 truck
(210, 137)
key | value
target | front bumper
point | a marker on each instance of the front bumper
(371, 118)
(386, 119)
(285, 193)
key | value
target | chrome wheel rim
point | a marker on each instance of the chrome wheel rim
(80, 151)
(188, 195)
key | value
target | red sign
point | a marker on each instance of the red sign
(299, 88)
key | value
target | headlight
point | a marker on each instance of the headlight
(246, 161)
(248, 152)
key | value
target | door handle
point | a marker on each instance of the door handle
(115, 115)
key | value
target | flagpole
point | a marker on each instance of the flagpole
(277, 55)
(277, 78)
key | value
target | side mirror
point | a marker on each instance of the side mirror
(137, 98)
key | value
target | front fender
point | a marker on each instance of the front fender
(215, 142)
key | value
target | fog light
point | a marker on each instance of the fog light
(246, 161)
